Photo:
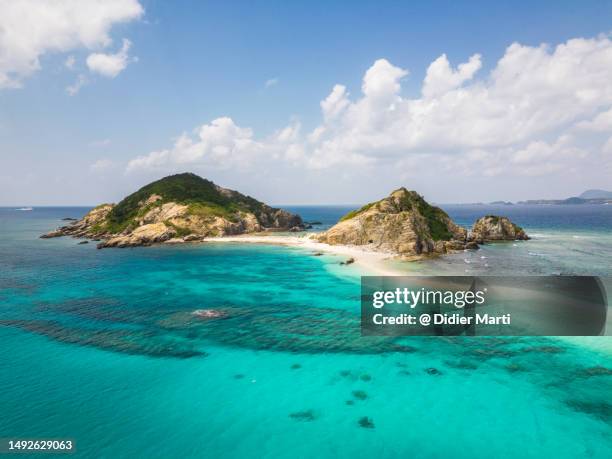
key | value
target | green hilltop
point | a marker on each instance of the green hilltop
(202, 196)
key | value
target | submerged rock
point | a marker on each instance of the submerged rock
(366, 422)
(433, 371)
(308, 415)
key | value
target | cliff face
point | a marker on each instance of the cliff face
(178, 208)
(403, 223)
(496, 228)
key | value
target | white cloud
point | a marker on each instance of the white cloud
(75, 87)
(70, 62)
(220, 142)
(335, 103)
(514, 121)
(102, 165)
(382, 80)
(602, 122)
(31, 28)
(110, 65)
(271, 82)
(441, 78)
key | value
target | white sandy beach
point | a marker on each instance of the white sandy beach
(368, 261)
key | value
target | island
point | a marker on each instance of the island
(186, 208)
(405, 224)
(178, 208)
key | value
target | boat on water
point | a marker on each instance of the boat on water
(25, 208)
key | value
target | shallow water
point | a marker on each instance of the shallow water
(102, 347)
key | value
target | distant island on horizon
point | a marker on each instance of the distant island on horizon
(594, 196)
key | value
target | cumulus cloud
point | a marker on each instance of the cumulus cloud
(221, 141)
(441, 78)
(335, 103)
(31, 28)
(110, 65)
(540, 110)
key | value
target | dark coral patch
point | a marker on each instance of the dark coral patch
(601, 410)
(461, 364)
(596, 371)
(305, 416)
(433, 371)
(366, 422)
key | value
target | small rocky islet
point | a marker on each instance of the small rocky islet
(187, 208)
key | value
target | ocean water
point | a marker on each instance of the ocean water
(101, 346)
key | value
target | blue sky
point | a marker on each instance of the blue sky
(200, 61)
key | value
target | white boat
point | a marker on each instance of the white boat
(25, 208)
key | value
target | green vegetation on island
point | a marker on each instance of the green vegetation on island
(179, 208)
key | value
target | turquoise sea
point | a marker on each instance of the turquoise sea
(101, 346)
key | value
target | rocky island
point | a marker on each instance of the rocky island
(187, 208)
(495, 228)
(405, 224)
(178, 208)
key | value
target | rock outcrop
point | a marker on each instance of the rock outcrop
(178, 208)
(403, 223)
(83, 227)
(495, 228)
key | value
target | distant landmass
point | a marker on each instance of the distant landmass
(596, 194)
(588, 197)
